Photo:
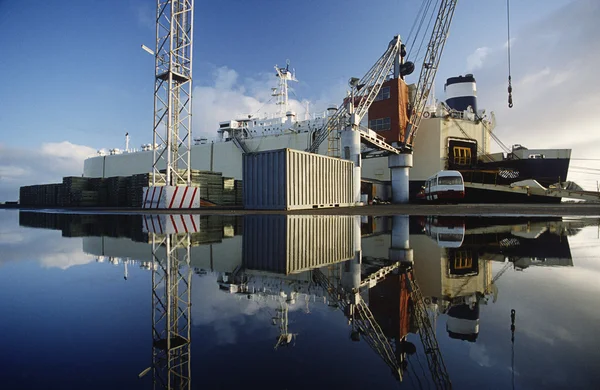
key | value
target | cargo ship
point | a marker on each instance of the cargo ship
(454, 135)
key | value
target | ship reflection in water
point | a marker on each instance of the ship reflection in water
(308, 302)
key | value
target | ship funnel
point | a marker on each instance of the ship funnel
(461, 92)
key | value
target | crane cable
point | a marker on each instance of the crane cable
(510, 102)
(512, 341)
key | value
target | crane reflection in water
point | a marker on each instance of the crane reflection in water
(390, 277)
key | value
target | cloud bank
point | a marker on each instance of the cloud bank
(46, 164)
(554, 84)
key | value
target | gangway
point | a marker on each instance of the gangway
(534, 188)
(374, 140)
(238, 142)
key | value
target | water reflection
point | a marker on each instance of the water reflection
(390, 278)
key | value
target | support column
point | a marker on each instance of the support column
(351, 276)
(400, 249)
(399, 165)
(350, 141)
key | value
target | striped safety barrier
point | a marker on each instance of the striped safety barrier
(171, 224)
(171, 197)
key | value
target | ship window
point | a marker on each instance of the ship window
(463, 260)
(462, 156)
(449, 180)
(384, 93)
(380, 124)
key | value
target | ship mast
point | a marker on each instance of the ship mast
(281, 92)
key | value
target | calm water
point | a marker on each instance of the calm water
(301, 302)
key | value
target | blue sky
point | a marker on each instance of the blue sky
(74, 71)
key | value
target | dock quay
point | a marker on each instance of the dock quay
(581, 209)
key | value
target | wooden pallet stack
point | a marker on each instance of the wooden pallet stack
(210, 230)
(135, 195)
(51, 192)
(72, 190)
(211, 186)
(228, 191)
(117, 187)
(27, 196)
(239, 193)
(99, 185)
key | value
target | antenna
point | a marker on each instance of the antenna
(281, 91)
(126, 142)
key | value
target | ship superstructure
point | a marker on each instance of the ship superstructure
(454, 134)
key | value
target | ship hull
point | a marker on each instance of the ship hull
(545, 171)
(476, 195)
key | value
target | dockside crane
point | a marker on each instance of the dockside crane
(429, 68)
(363, 322)
(363, 93)
(344, 126)
(365, 90)
(364, 325)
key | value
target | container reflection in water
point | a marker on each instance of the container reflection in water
(291, 265)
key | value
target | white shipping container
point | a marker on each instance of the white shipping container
(288, 179)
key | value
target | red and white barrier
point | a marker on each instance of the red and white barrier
(171, 224)
(171, 197)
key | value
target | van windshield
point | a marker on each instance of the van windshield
(449, 180)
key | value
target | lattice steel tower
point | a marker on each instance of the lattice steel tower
(173, 92)
(171, 305)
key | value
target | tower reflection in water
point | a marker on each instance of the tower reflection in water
(366, 267)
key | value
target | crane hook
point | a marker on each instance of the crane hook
(510, 102)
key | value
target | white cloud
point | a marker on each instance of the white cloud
(65, 259)
(475, 60)
(479, 354)
(228, 97)
(46, 164)
(45, 246)
(145, 15)
(554, 91)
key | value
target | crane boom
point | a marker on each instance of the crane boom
(364, 320)
(439, 34)
(438, 370)
(364, 92)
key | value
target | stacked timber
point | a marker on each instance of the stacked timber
(72, 191)
(127, 191)
(117, 188)
(136, 189)
(51, 194)
(239, 193)
(210, 184)
(210, 230)
(229, 198)
(27, 196)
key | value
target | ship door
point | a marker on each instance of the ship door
(462, 262)
(461, 154)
